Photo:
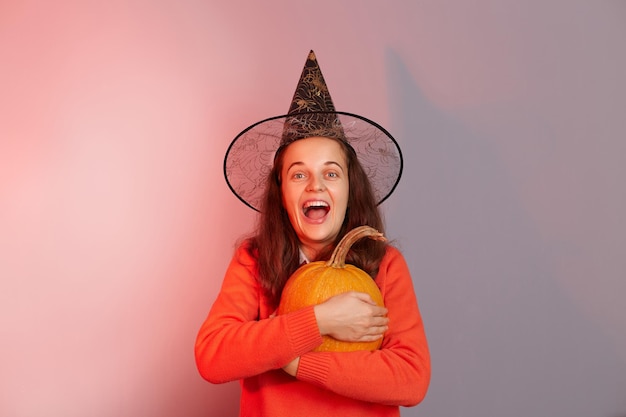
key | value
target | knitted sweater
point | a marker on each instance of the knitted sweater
(240, 341)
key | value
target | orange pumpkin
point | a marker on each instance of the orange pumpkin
(315, 282)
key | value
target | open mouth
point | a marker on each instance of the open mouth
(315, 209)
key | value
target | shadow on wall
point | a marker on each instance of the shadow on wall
(505, 338)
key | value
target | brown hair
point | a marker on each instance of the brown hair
(276, 246)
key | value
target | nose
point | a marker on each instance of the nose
(315, 184)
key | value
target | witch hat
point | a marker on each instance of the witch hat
(250, 156)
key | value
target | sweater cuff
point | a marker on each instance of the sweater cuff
(314, 368)
(304, 335)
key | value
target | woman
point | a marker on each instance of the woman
(316, 191)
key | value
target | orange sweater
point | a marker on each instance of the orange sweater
(239, 341)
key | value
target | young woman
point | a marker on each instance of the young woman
(316, 191)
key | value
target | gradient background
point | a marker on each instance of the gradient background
(116, 224)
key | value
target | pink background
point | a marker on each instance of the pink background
(116, 224)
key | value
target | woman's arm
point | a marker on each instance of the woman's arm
(233, 343)
(398, 373)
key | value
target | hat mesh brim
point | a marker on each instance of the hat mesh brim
(250, 156)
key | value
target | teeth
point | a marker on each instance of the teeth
(315, 204)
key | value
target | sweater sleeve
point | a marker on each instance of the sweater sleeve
(235, 343)
(396, 374)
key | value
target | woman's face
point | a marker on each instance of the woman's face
(314, 184)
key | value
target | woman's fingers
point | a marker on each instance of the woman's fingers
(352, 317)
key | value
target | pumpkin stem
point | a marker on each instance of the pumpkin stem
(338, 258)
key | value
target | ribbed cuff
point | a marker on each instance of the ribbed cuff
(304, 335)
(314, 368)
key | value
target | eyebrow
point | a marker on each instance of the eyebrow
(297, 163)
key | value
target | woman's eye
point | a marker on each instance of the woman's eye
(332, 174)
(298, 176)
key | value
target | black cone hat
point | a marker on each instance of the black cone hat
(250, 156)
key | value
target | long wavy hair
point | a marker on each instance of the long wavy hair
(276, 246)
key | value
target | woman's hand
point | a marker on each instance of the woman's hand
(292, 367)
(351, 317)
